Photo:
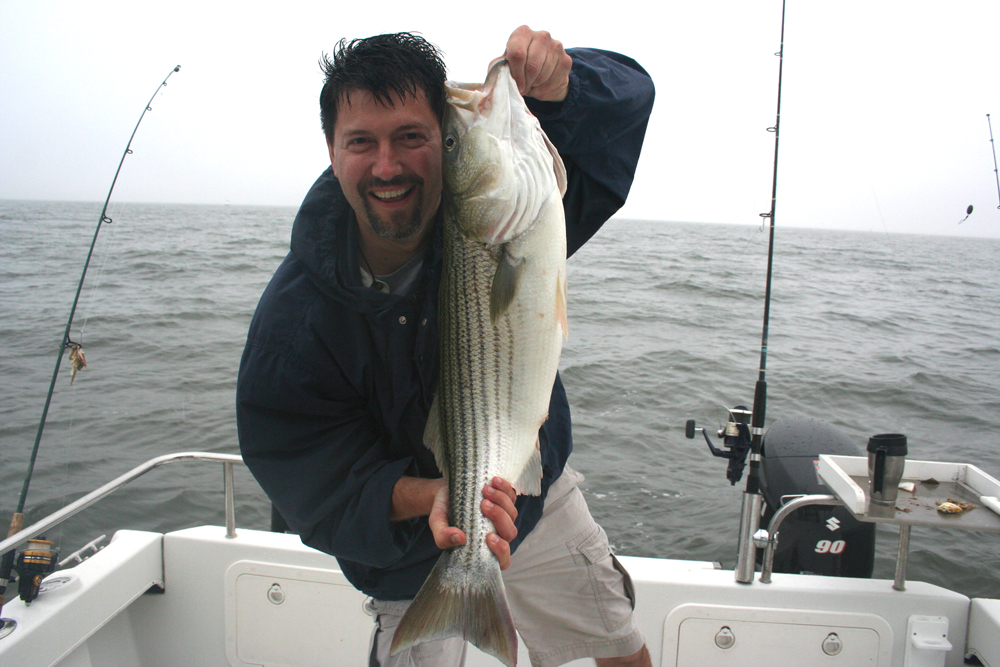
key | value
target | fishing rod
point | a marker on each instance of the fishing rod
(996, 175)
(752, 498)
(743, 434)
(76, 358)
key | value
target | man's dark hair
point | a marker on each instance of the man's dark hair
(400, 63)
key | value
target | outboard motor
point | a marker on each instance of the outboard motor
(815, 539)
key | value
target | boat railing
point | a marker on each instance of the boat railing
(54, 519)
(767, 566)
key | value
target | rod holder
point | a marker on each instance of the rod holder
(746, 557)
(899, 582)
(227, 477)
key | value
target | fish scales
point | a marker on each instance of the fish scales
(501, 319)
(480, 389)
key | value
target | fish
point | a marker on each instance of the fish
(502, 320)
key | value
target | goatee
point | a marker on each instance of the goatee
(398, 225)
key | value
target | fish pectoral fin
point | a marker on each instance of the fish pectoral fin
(433, 438)
(505, 282)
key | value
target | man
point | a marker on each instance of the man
(341, 360)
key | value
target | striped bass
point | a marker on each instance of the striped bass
(502, 320)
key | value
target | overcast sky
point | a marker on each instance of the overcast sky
(883, 127)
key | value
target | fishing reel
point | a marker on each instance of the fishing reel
(735, 438)
(34, 563)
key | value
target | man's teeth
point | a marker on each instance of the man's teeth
(391, 194)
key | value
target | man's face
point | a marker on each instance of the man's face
(388, 161)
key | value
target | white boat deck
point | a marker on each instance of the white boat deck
(194, 597)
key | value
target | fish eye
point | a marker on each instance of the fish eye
(449, 142)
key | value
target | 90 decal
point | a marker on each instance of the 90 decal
(828, 547)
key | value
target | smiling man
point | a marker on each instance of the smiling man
(341, 360)
(387, 158)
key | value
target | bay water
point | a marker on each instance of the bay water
(870, 332)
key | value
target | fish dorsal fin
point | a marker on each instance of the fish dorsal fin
(505, 282)
(433, 438)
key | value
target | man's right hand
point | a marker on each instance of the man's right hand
(538, 64)
(497, 505)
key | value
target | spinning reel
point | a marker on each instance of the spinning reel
(735, 438)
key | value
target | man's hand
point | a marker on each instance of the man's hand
(497, 506)
(539, 64)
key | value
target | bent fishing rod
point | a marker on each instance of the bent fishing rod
(16, 522)
(752, 498)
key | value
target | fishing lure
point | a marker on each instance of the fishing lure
(77, 361)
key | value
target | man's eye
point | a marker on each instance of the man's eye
(412, 139)
(358, 143)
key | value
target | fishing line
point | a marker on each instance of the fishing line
(100, 273)
(996, 174)
(71, 430)
(890, 242)
(717, 325)
(748, 279)
(17, 520)
(878, 208)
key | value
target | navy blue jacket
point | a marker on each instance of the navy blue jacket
(336, 380)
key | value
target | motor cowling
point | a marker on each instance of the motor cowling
(814, 539)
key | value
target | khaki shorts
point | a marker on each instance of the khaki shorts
(569, 595)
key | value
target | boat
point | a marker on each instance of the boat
(222, 595)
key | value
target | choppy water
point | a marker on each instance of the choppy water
(872, 333)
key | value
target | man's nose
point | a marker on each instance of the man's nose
(387, 162)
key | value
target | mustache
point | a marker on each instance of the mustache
(395, 181)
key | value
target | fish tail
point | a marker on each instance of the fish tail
(450, 605)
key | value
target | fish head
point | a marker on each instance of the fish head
(473, 153)
(499, 167)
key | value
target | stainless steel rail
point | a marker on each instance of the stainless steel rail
(772, 529)
(54, 519)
